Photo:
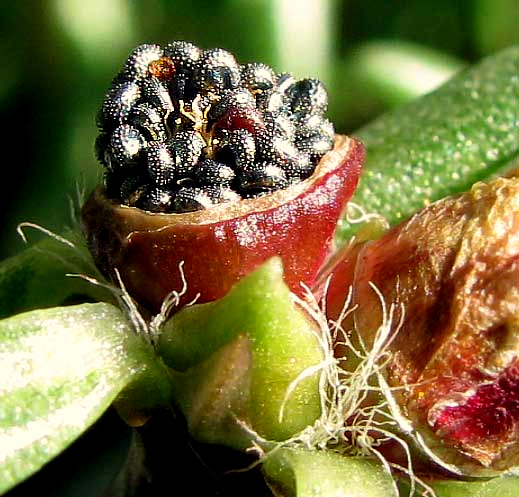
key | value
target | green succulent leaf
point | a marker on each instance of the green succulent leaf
(60, 369)
(501, 486)
(311, 473)
(237, 357)
(442, 143)
(37, 276)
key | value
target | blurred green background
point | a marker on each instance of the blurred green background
(58, 57)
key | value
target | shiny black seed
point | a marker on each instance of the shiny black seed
(186, 57)
(307, 96)
(316, 145)
(149, 120)
(183, 129)
(229, 99)
(218, 70)
(285, 151)
(257, 78)
(156, 200)
(223, 195)
(136, 66)
(300, 168)
(315, 135)
(101, 148)
(210, 172)
(156, 94)
(126, 144)
(284, 128)
(279, 126)
(236, 148)
(277, 100)
(132, 189)
(186, 148)
(193, 198)
(228, 195)
(276, 142)
(262, 177)
(118, 104)
(184, 53)
(190, 198)
(161, 166)
(314, 125)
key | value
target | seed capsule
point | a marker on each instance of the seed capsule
(221, 244)
(451, 273)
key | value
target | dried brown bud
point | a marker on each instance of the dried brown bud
(453, 269)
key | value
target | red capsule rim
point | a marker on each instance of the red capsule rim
(343, 146)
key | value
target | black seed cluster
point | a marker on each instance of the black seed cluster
(183, 129)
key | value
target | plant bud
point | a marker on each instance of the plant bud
(236, 363)
(453, 270)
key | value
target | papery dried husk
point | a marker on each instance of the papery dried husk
(220, 245)
(454, 367)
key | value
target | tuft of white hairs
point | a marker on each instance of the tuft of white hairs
(351, 423)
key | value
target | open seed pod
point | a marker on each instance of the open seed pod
(218, 166)
(220, 245)
(452, 271)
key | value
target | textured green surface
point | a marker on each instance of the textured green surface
(59, 370)
(311, 473)
(275, 341)
(37, 276)
(443, 142)
(503, 486)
